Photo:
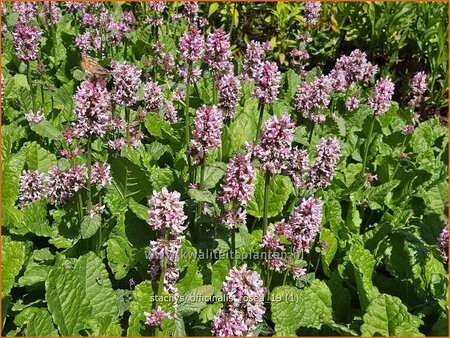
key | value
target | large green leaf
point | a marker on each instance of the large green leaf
(129, 180)
(121, 255)
(387, 316)
(11, 171)
(363, 267)
(66, 300)
(194, 300)
(39, 158)
(47, 130)
(293, 308)
(327, 254)
(13, 257)
(280, 187)
(35, 220)
(90, 225)
(40, 324)
(94, 279)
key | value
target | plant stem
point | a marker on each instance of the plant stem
(80, 207)
(266, 204)
(198, 211)
(127, 118)
(398, 162)
(89, 167)
(366, 149)
(311, 133)
(233, 246)
(187, 132)
(261, 113)
(33, 100)
(161, 279)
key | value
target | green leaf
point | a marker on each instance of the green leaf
(121, 255)
(39, 158)
(129, 180)
(209, 312)
(159, 128)
(293, 308)
(280, 187)
(213, 173)
(94, 279)
(327, 254)
(387, 316)
(66, 300)
(195, 300)
(90, 225)
(11, 171)
(35, 219)
(363, 267)
(203, 196)
(40, 324)
(13, 258)
(34, 275)
(220, 270)
(376, 195)
(46, 129)
(242, 128)
(192, 279)
(141, 211)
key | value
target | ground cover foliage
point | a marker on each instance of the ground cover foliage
(224, 169)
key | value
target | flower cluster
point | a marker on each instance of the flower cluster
(63, 184)
(418, 88)
(32, 187)
(229, 88)
(238, 182)
(153, 96)
(206, 135)
(311, 13)
(267, 81)
(352, 68)
(274, 147)
(26, 42)
(127, 79)
(384, 90)
(167, 216)
(101, 174)
(324, 167)
(443, 242)
(34, 117)
(192, 45)
(244, 307)
(26, 10)
(156, 317)
(92, 108)
(299, 168)
(217, 53)
(253, 57)
(305, 223)
(166, 213)
(51, 13)
(313, 97)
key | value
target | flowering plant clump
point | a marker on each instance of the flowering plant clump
(224, 169)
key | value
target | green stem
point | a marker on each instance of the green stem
(89, 167)
(233, 247)
(311, 133)
(127, 118)
(266, 204)
(53, 32)
(80, 207)
(161, 281)
(366, 149)
(33, 100)
(398, 161)
(261, 113)
(187, 132)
